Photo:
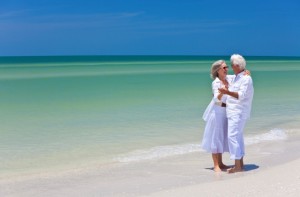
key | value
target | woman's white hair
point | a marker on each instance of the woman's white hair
(237, 59)
(215, 67)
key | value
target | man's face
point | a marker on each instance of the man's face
(235, 68)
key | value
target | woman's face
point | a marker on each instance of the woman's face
(222, 72)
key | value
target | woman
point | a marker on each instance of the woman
(215, 133)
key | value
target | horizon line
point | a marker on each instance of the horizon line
(119, 55)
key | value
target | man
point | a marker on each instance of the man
(238, 108)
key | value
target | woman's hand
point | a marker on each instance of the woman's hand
(247, 72)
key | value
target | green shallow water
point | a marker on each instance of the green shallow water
(74, 111)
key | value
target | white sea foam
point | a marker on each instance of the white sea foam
(274, 134)
(159, 152)
(166, 151)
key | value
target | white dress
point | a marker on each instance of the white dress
(215, 138)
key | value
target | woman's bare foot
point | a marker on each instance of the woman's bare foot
(224, 167)
(217, 169)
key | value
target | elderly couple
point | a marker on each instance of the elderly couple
(227, 113)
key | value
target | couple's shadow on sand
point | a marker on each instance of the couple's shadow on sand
(247, 167)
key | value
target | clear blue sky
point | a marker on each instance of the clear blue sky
(150, 27)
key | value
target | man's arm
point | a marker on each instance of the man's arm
(241, 94)
(226, 91)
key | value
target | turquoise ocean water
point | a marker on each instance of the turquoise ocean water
(75, 112)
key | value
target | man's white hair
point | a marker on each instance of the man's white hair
(237, 59)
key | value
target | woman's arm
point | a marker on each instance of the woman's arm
(217, 94)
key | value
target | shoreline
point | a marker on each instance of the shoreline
(182, 174)
(274, 172)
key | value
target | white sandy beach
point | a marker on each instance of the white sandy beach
(277, 174)
(272, 169)
(281, 180)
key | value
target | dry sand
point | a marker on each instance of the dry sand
(281, 180)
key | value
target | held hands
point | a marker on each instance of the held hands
(223, 90)
(226, 91)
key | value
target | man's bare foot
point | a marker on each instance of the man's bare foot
(242, 162)
(234, 170)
